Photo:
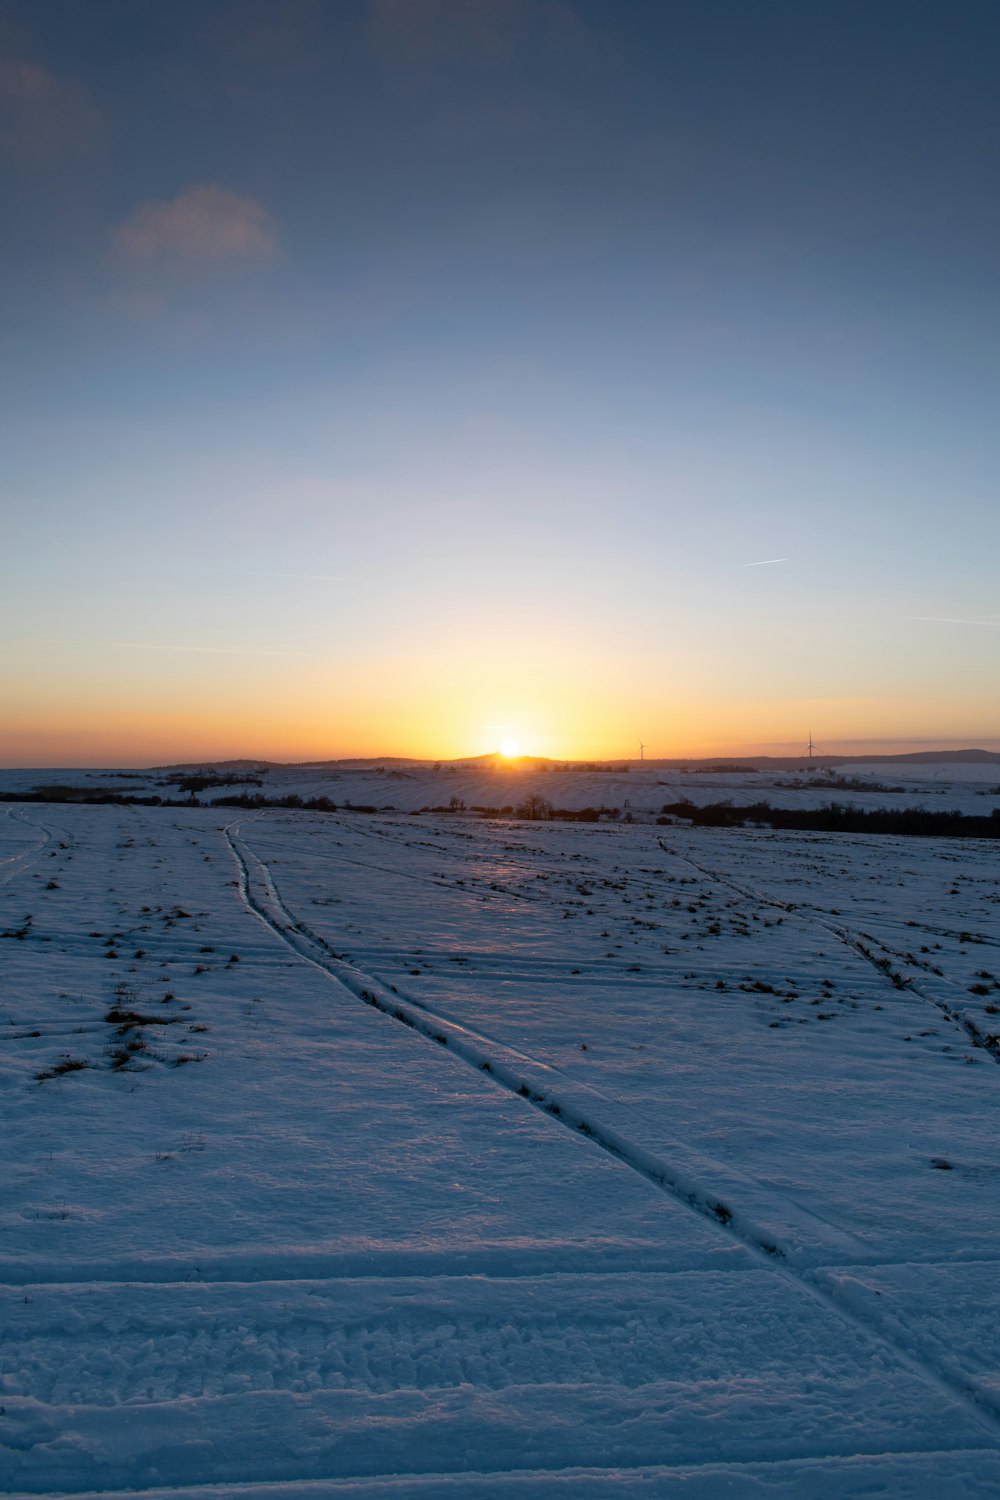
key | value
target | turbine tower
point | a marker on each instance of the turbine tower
(642, 751)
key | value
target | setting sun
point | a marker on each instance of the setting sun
(509, 749)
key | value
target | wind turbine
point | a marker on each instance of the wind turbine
(811, 747)
(642, 751)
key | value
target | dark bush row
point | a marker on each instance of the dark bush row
(90, 796)
(725, 770)
(836, 818)
(308, 804)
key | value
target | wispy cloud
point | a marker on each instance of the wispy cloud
(281, 38)
(765, 562)
(431, 30)
(202, 224)
(205, 650)
(479, 32)
(313, 577)
(44, 117)
(992, 621)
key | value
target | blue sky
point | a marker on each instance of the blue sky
(375, 373)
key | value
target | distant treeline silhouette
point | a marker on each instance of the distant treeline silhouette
(725, 770)
(98, 796)
(835, 817)
(94, 796)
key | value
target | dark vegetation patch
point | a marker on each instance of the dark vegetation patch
(126, 1019)
(836, 818)
(725, 770)
(64, 1065)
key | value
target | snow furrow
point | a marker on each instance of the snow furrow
(963, 1474)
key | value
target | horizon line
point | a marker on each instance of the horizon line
(775, 750)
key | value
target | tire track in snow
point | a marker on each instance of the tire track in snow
(529, 1079)
(431, 878)
(378, 1336)
(908, 982)
(14, 864)
(521, 1074)
(317, 951)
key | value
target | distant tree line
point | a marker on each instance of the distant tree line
(91, 796)
(112, 796)
(837, 818)
(724, 770)
(833, 818)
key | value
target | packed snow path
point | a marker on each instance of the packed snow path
(622, 1179)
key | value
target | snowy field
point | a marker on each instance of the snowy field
(393, 1156)
(641, 790)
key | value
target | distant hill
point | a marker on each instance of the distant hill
(674, 763)
(353, 764)
(786, 762)
(914, 757)
(221, 765)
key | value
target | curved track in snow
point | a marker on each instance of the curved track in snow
(700, 1185)
(944, 994)
(12, 865)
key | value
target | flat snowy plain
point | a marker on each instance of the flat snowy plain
(392, 1156)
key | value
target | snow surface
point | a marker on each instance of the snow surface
(382, 1156)
(972, 788)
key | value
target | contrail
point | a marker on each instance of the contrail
(765, 562)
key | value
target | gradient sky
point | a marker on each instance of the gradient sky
(403, 376)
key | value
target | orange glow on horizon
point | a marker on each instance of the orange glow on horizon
(115, 709)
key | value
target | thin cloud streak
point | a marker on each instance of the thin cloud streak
(315, 577)
(765, 562)
(993, 622)
(206, 650)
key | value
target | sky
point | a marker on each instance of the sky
(402, 377)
